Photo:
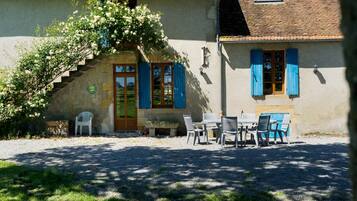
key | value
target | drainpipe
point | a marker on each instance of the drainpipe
(221, 65)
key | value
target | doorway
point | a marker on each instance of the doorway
(125, 97)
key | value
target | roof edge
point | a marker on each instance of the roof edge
(277, 39)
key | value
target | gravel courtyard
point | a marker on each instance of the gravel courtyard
(313, 168)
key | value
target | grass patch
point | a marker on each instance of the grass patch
(19, 183)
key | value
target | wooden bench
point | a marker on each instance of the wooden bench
(153, 125)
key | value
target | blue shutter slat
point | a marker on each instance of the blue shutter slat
(292, 68)
(179, 86)
(256, 70)
(144, 86)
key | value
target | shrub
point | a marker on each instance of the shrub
(105, 28)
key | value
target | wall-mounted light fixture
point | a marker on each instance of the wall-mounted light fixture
(316, 68)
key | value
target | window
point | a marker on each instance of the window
(273, 72)
(162, 85)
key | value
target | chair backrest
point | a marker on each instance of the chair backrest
(263, 123)
(85, 116)
(229, 124)
(286, 122)
(188, 122)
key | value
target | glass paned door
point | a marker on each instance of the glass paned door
(125, 97)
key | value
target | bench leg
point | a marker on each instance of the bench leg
(173, 132)
(151, 132)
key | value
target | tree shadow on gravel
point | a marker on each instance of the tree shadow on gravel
(146, 173)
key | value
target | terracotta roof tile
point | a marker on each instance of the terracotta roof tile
(293, 19)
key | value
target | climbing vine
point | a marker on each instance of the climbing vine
(105, 28)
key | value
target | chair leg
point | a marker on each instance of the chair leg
(75, 130)
(195, 137)
(199, 137)
(236, 140)
(206, 137)
(218, 137)
(287, 137)
(257, 140)
(188, 136)
(275, 136)
(90, 130)
(267, 135)
(281, 137)
(80, 130)
(222, 139)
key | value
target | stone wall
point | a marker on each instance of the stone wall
(75, 98)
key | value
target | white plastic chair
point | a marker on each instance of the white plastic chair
(82, 120)
(192, 129)
(284, 130)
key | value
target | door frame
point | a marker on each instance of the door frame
(115, 75)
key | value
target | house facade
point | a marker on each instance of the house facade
(241, 56)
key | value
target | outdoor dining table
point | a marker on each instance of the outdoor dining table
(243, 123)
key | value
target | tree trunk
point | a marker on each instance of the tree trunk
(349, 28)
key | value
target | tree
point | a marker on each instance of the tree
(349, 29)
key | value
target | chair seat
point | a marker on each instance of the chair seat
(197, 130)
(80, 123)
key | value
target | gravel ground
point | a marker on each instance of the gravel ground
(312, 168)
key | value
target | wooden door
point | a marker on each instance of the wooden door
(125, 95)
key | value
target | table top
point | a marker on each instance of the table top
(240, 121)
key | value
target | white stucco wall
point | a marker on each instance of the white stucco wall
(19, 20)
(323, 102)
(191, 25)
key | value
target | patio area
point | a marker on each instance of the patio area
(311, 168)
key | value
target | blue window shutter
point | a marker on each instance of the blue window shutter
(292, 68)
(144, 86)
(104, 38)
(179, 86)
(256, 70)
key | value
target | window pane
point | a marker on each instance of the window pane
(268, 88)
(279, 68)
(120, 107)
(130, 69)
(267, 63)
(267, 77)
(131, 98)
(156, 85)
(119, 69)
(279, 77)
(279, 56)
(168, 74)
(279, 87)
